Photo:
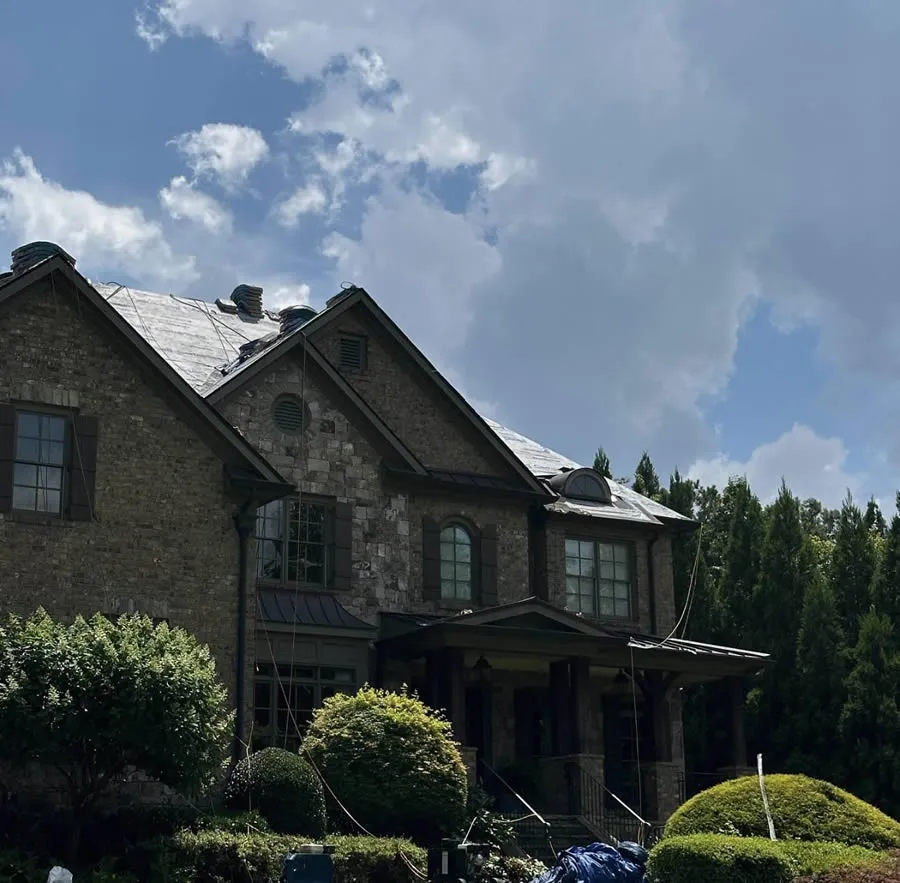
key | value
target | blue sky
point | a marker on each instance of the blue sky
(661, 225)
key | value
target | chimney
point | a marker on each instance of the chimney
(293, 317)
(248, 299)
(27, 256)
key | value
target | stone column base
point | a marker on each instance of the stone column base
(470, 760)
(664, 783)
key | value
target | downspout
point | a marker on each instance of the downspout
(651, 579)
(243, 520)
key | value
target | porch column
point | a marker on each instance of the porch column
(559, 708)
(738, 734)
(579, 705)
(456, 674)
(434, 671)
(665, 777)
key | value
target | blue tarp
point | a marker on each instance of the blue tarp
(597, 863)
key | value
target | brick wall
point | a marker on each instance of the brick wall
(162, 540)
(408, 401)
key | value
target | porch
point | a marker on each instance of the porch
(576, 718)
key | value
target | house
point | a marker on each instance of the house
(398, 537)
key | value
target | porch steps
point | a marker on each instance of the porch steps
(565, 831)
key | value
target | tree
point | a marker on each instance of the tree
(821, 672)
(886, 586)
(852, 567)
(874, 519)
(391, 761)
(95, 698)
(870, 720)
(786, 562)
(646, 481)
(601, 463)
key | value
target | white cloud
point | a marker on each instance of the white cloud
(181, 199)
(98, 235)
(223, 151)
(278, 295)
(305, 200)
(153, 36)
(811, 465)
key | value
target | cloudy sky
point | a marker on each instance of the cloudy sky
(650, 224)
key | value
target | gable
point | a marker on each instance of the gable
(530, 613)
(52, 299)
(434, 421)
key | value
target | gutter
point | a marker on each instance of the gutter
(244, 521)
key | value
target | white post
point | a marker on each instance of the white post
(765, 798)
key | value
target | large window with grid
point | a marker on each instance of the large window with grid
(295, 543)
(285, 696)
(599, 578)
(40, 463)
(456, 563)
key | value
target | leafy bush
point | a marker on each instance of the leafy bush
(257, 858)
(721, 858)
(283, 787)
(391, 761)
(509, 869)
(95, 698)
(802, 809)
(886, 870)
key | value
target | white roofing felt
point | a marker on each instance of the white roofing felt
(198, 339)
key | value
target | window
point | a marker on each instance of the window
(352, 352)
(456, 563)
(40, 462)
(295, 543)
(285, 697)
(599, 579)
(585, 486)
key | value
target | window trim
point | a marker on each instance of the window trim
(41, 410)
(631, 546)
(327, 583)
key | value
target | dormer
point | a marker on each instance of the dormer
(581, 484)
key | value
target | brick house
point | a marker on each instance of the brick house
(400, 537)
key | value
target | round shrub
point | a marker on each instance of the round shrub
(283, 788)
(802, 809)
(391, 761)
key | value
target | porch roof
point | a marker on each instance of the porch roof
(536, 628)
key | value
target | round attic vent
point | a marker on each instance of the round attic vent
(291, 414)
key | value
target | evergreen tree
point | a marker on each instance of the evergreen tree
(786, 562)
(870, 720)
(886, 586)
(874, 519)
(740, 568)
(680, 496)
(820, 678)
(601, 463)
(852, 567)
(646, 481)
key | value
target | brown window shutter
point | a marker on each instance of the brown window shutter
(431, 559)
(7, 455)
(83, 474)
(489, 565)
(343, 546)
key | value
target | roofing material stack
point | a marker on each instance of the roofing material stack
(249, 300)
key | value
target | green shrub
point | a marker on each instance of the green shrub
(885, 870)
(283, 788)
(802, 809)
(391, 761)
(509, 869)
(722, 858)
(211, 855)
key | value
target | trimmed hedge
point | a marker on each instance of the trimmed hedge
(283, 788)
(393, 763)
(802, 809)
(721, 858)
(217, 855)
(887, 870)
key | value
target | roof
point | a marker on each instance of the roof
(308, 609)
(201, 341)
(243, 454)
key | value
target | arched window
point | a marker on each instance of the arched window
(581, 484)
(456, 563)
